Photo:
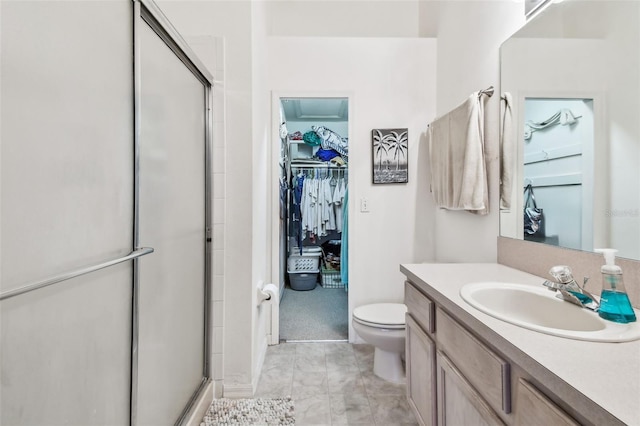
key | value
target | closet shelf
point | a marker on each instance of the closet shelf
(317, 165)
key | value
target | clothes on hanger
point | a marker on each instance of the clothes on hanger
(318, 198)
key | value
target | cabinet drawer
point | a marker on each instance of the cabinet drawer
(484, 369)
(419, 306)
(535, 409)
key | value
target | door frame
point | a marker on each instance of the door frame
(274, 329)
(146, 12)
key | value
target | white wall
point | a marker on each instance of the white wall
(343, 18)
(261, 232)
(390, 83)
(469, 36)
(233, 275)
(393, 82)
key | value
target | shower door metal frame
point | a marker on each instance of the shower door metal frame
(146, 12)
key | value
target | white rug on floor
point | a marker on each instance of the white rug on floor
(249, 412)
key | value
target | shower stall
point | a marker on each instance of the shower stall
(105, 173)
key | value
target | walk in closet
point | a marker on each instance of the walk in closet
(314, 182)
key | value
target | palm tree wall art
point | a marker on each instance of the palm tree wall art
(390, 149)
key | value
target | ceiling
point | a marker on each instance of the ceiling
(315, 109)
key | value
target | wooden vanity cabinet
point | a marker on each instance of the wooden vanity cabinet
(458, 402)
(535, 409)
(420, 357)
(455, 379)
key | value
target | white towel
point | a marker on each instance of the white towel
(456, 151)
(507, 148)
(563, 117)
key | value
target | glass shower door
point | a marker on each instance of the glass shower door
(172, 219)
(67, 206)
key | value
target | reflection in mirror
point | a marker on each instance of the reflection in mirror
(573, 73)
(558, 164)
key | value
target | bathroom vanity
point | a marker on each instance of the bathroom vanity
(466, 367)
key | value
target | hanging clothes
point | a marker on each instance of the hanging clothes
(344, 248)
(330, 215)
(318, 214)
(298, 185)
(338, 201)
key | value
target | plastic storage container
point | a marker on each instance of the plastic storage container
(331, 278)
(303, 262)
(303, 280)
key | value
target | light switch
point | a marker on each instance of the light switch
(364, 205)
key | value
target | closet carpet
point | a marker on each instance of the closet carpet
(318, 314)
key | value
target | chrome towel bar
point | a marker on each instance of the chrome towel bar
(68, 275)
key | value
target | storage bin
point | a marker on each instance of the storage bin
(300, 150)
(313, 250)
(305, 280)
(331, 278)
(304, 262)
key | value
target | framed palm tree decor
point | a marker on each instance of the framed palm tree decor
(390, 155)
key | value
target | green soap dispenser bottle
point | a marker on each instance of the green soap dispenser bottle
(614, 302)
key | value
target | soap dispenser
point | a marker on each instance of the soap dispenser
(614, 302)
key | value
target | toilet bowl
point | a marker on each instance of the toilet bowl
(383, 326)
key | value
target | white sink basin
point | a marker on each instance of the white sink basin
(537, 308)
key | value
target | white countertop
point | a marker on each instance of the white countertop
(606, 373)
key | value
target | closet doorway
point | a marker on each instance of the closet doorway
(313, 153)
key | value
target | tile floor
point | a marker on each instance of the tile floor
(333, 384)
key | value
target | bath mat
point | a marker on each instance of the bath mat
(249, 412)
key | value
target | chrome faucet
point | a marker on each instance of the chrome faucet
(569, 290)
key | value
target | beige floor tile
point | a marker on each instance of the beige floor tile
(337, 347)
(333, 384)
(274, 384)
(390, 410)
(279, 361)
(374, 385)
(341, 361)
(310, 362)
(345, 382)
(312, 410)
(364, 357)
(308, 348)
(284, 348)
(350, 409)
(309, 383)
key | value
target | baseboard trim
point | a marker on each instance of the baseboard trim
(238, 391)
(201, 406)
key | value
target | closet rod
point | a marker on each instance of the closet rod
(319, 167)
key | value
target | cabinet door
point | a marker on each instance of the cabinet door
(536, 409)
(458, 402)
(421, 377)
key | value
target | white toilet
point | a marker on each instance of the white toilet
(383, 326)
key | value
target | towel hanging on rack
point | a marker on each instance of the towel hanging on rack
(507, 148)
(456, 153)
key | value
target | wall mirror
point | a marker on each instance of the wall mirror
(573, 76)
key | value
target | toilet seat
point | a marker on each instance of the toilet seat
(381, 315)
